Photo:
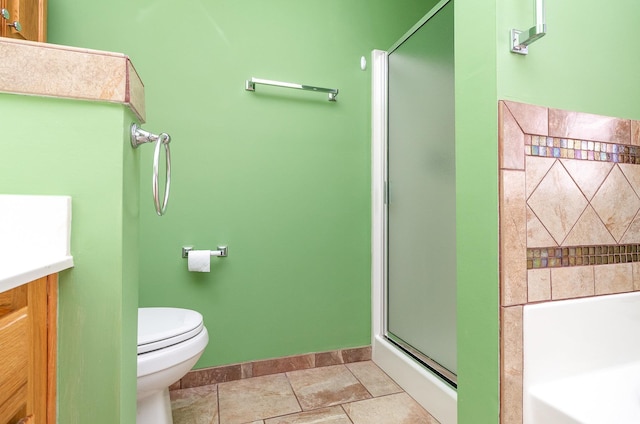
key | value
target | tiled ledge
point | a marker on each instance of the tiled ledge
(221, 374)
(42, 69)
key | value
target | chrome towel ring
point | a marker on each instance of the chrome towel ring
(140, 136)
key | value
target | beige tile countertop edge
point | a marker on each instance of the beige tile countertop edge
(52, 70)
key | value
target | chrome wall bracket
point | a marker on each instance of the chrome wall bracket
(221, 252)
(520, 40)
(140, 136)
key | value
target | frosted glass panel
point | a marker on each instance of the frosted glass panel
(421, 206)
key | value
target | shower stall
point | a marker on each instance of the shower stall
(414, 213)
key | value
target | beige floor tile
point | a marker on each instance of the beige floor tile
(254, 399)
(373, 378)
(198, 405)
(397, 409)
(326, 386)
(333, 415)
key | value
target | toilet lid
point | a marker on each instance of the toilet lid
(162, 327)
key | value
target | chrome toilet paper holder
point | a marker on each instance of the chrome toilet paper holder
(221, 252)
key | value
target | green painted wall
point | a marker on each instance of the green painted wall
(280, 176)
(582, 63)
(477, 211)
(283, 177)
(77, 148)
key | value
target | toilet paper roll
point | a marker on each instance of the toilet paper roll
(199, 260)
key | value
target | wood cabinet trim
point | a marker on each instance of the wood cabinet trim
(52, 347)
(38, 351)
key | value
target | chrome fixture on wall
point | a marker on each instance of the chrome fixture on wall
(222, 251)
(200, 260)
(520, 40)
(250, 85)
(140, 136)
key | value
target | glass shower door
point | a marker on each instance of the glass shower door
(421, 210)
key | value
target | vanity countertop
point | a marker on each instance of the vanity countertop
(51, 70)
(34, 238)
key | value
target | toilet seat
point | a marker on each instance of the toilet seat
(159, 328)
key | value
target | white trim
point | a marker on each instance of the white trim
(432, 393)
(428, 390)
(378, 176)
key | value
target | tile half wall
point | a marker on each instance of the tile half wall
(569, 218)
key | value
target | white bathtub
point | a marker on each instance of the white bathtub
(582, 361)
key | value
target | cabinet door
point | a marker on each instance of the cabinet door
(14, 351)
(31, 16)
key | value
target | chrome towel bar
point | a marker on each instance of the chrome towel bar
(140, 136)
(250, 85)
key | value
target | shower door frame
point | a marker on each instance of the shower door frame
(438, 397)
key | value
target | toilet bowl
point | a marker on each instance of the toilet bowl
(170, 342)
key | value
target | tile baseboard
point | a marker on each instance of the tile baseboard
(224, 373)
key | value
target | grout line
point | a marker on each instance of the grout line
(361, 383)
(346, 413)
(218, 401)
(293, 390)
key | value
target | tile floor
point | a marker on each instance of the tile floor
(355, 393)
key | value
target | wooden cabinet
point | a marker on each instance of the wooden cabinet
(31, 16)
(27, 351)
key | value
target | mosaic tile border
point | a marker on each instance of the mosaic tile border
(567, 148)
(554, 257)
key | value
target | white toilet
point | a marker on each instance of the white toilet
(170, 342)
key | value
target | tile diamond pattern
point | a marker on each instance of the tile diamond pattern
(557, 202)
(588, 175)
(632, 172)
(536, 169)
(633, 232)
(537, 235)
(616, 203)
(589, 230)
